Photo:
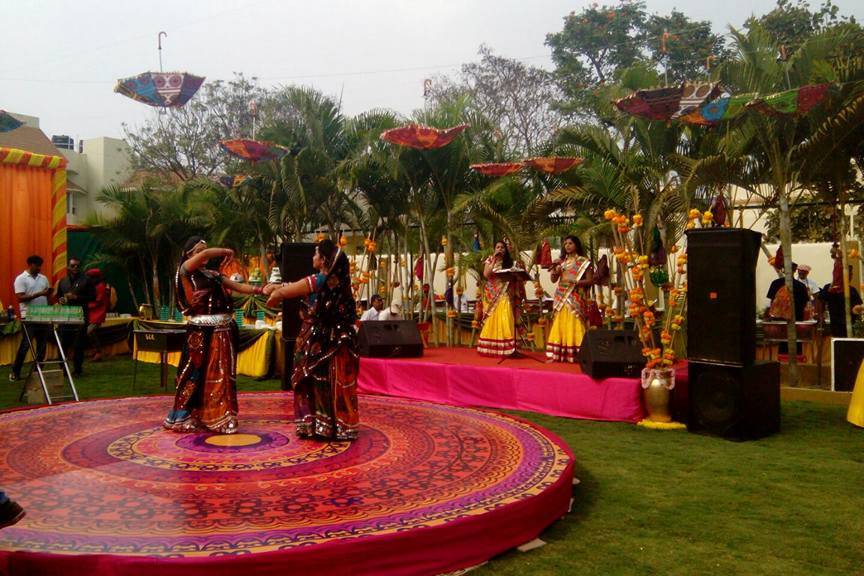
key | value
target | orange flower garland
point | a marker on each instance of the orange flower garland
(628, 253)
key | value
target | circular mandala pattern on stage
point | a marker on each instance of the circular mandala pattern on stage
(103, 477)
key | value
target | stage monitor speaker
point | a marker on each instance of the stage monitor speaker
(611, 353)
(390, 339)
(846, 357)
(735, 402)
(296, 263)
(721, 295)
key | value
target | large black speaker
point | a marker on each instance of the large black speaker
(390, 339)
(296, 264)
(735, 402)
(608, 353)
(721, 295)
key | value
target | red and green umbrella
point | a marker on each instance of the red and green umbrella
(253, 150)
(707, 104)
(160, 89)
(422, 137)
(798, 101)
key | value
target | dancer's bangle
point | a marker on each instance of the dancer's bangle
(257, 290)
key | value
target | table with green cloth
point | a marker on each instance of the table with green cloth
(113, 337)
(255, 357)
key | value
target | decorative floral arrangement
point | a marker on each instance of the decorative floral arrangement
(636, 261)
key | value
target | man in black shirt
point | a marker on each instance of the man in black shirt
(75, 290)
(799, 293)
(834, 300)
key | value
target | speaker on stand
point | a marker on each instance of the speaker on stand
(721, 295)
(729, 394)
(296, 264)
(390, 339)
(611, 353)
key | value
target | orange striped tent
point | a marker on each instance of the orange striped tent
(32, 215)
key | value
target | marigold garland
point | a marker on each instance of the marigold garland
(629, 253)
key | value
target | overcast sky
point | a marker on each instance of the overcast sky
(61, 58)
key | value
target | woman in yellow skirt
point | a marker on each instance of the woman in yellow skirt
(500, 306)
(574, 274)
(855, 414)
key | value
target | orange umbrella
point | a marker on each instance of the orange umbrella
(553, 164)
(498, 169)
(422, 137)
(253, 150)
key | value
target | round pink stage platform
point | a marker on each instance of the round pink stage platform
(426, 489)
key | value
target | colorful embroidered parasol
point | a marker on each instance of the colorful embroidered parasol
(665, 104)
(657, 104)
(160, 89)
(253, 150)
(8, 122)
(722, 108)
(498, 169)
(707, 104)
(422, 137)
(797, 101)
(553, 164)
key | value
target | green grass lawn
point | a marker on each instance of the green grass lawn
(661, 502)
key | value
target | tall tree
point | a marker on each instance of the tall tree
(598, 44)
(683, 49)
(519, 98)
(790, 23)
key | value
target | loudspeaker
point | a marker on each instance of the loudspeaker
(390, 339)
(735, 402)
(846, 356)
(721, 295)
(608, 353)
(296, 264)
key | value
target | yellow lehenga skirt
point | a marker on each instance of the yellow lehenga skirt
(855, 414)
(565, 336)
(497, 337)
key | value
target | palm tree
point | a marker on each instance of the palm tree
(149, 227)
(306, 188)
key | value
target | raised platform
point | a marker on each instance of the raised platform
(426, 489)
(461, 377)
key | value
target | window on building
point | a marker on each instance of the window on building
(71, 204)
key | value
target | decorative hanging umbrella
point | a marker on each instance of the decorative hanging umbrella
(422, 137)
(718, 210)
(498, 169)
(665, 104)
(8, 122)
(160, 89)
(253, 150)
(543, 254)
(656, 104)
(553, 164)
(707, 104)
(797, 101)
(234, 181)
(717, 110)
